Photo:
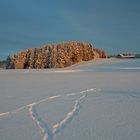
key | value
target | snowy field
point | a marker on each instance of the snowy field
(89, 101)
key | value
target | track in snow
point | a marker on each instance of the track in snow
(46, 132)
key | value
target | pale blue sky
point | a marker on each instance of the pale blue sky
(112, 25)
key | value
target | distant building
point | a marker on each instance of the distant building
(125, 56)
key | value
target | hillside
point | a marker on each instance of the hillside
(54, 56)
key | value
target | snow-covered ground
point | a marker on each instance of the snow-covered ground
(89, 101)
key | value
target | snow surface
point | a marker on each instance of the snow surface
(89, 101)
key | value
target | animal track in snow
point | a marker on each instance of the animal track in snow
(46, 131)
